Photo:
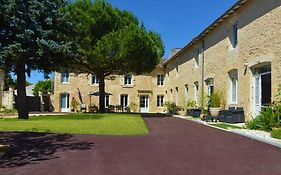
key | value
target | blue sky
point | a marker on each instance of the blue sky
(177, 21)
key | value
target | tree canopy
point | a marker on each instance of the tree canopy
(45, 87)
(31, 38)
(111, 41)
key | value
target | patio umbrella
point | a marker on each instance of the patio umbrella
(98, 93)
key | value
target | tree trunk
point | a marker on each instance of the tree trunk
(102, 94)
(21, 93)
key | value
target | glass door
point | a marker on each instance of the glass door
(65, 103)
(144, 103)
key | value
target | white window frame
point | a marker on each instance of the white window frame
(209, 84)
(65, 79)
(186, 93)
(94, 80)
(233, 78)
(196, 90)
(160, 101)
(121, 99)
(160, 80)
(177, 96)
(128, 79)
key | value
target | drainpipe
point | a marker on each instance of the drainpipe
(203, 65)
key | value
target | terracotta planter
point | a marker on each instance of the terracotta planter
(4, 149)
(215, 112)
(182, 113)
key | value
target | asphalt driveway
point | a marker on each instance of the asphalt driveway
(173, 147)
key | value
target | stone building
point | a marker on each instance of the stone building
(145, 93)
(239, 53)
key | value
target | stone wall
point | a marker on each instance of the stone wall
(142, 84)
(259, 42)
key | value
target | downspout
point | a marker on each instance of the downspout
(203, 65)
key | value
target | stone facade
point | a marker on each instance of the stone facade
(142, 85)
(240, 53)
(258, 44)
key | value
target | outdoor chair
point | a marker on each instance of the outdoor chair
(232, 115)
(118, 108)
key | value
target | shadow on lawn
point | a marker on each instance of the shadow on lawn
(31, 148)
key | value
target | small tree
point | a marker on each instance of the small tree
(31, 39)
(111, 41)
(43, 86)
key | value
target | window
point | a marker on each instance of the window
(233, 86)
(234, 35)
(106, 100)
(177, 96)
(160, 80)
(160, 100)
(128, 79)
(124, 101)
(95, 79)
(196, 89)
(210, 86)
(186, 93)
(64, 77)
(197, 58)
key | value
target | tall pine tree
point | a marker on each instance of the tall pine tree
(111, 41)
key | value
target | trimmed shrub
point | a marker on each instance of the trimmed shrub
(268, 119)
(171, 107)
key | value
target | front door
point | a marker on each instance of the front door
(144, 103)
(257, 95)
(262, 92)
(65, 103)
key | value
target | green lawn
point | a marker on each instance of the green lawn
(100, 124)
(276, 134)
(226, 126)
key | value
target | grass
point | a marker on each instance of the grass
(276, 134)
(226, 126)
(99, 124)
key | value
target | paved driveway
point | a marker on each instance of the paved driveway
(173, 147)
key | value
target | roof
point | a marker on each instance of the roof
(161, 62)
(230, 11)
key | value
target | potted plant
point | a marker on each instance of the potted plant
(182, 110)
(133, 107)
(192, 109)
(216, 102)
(3, 149)
(74, 104)
(171, 107)
(3, 108)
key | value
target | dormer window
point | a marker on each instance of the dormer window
(197, 58)
(160, 80)
(65, 77)
(234, 37)
(128, 79)
(95, 79)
